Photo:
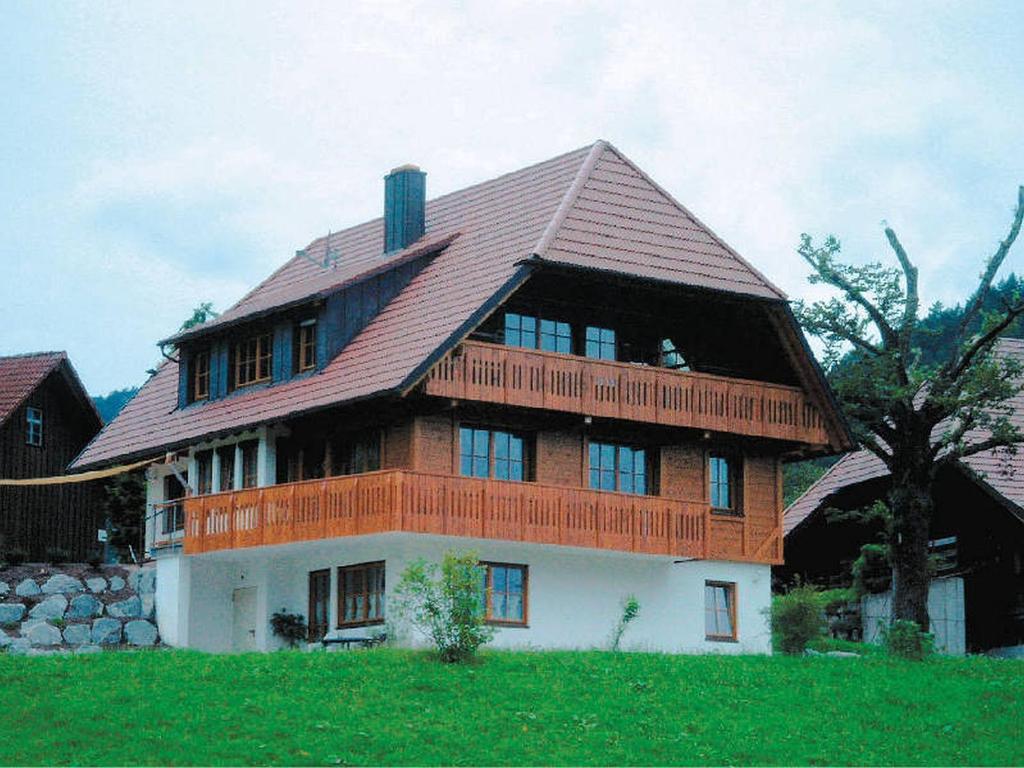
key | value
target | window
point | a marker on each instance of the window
(725, 484)
(534, 333)
(250, 463)
(671, 357)
(174, 513)
(34, 426)
(361, 594)
(319, 603)
(719, 610)
(618, 468)
(944, 554)
(201, 375)
(355, 454)
(204, 473)
(305, 346)
(504, 598)
(252, 360)
(492, 453)
(600, 343)
(227, 467)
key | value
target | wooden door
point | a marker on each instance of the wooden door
(243, 628)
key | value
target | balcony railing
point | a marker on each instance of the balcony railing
(417, 502)
(530, 378)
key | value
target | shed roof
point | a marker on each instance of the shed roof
(589, 207)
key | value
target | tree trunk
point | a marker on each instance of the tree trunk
(910, 500)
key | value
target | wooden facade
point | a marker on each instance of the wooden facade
(66, 517)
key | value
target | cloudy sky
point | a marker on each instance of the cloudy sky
(157, 155)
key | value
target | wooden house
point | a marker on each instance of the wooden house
(977, 538)
(46, 419)
(561, 369)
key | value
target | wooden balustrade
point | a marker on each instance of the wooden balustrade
(535, 379)
(418, 502)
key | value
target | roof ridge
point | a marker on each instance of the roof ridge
(26, 355)
(570, 197)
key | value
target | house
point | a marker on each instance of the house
(977, 537)
(46, 419)
(561, 369)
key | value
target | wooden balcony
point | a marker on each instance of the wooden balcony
(417, 502)
(523, 377)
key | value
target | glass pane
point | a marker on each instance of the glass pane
(466, 466)
(515, 471)
(608, 457)
(501, 440)
(481, 439)
(516, 448)
(499, 576)
(514, 607)
(498, 605)
(480, 468)
(515, 580)
(595, 478)
(608, 480)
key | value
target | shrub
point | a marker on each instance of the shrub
(445, 604)
(290, 627)
(630, 610)
(95, 559)
(797, 618)
(15, 556)
(872, 570)
(904, 638)
(57, 555)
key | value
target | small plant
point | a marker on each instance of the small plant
(59, 623)
(630, 610)
(95, 559)
(15, 556)
(905, 639)
(57, 555)
(797, 618)
(445, 603)
(290, 627)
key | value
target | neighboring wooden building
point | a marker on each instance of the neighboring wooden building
(560, 368)
(46, 419)
(977, 534)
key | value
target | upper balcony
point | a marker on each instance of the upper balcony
(524, 377)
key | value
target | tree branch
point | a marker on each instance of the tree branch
(912, 301)
(973, 448)
(986, 339)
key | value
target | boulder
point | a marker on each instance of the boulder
(126, 609)
(62, 584)
(96, 584)
(88, 649)
(44, 634)
(85, 607)
(11, 612)
(19, 646)
(27, 588)
(148, 607)
(4, 588)
(77, 634)
(116, 583)
(52, 607)
(139, 632)
(26, 626)
(143, 581)
(106, 631)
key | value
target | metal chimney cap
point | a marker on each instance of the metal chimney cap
(406, 167)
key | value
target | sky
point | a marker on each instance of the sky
(157, 155)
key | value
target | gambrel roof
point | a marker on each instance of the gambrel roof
(588, 208)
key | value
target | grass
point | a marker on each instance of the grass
(594, 708)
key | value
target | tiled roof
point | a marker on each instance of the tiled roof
(1002, 471)
(589, 207)
(20, 375)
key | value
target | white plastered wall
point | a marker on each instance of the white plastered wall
(575, 595)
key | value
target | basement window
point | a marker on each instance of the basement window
(361, 594)
(720, 610)
(504, 593)
(34, 426)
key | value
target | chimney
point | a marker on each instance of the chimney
(405, 196)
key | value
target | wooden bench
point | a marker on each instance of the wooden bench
(348, 642)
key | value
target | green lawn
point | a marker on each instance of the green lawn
(387, 706)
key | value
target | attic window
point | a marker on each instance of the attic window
(201, 375)
(305, 346)
(34, 426)
(252, 360)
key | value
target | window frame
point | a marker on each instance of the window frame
(731, 605)
(734, 462)
(201, 375)
(305, 342)
(525, 460)
(263, 354)
(227, 467)
(650, 487)
(341, 623)
(542, 328)
(488, 565)
(311, 635)
(204, 472)
(33, 426)
(601, 342)
(253, 446)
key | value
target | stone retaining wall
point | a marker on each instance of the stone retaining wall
(76, 608)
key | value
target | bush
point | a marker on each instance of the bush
(57, 555)
(95, 559)
(872, 570)
(630, 610)
(290, 627)
(15, 556)
(446, 604)
(905, 639)
(797, 618)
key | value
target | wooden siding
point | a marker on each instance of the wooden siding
(493, 373)
(420, 502)
(63, 516)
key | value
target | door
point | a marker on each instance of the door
(319, 603)
(243, 628)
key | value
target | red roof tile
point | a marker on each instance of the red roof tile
(20, 375)
(1002, 471)
(589, 207)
